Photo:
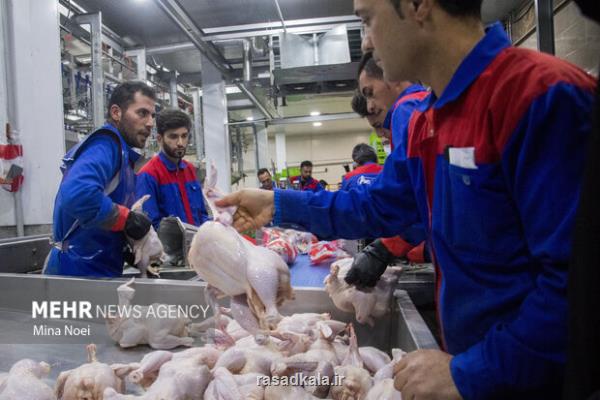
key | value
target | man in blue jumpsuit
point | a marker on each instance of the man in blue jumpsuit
(170, 180)
(494, 165)
(305, 181)
(92, 214)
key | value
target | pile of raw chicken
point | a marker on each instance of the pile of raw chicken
(250, 341)
(228, 369)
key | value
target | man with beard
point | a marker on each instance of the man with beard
(171, 181)
(305, 181)
(494, 165)
(92, 216)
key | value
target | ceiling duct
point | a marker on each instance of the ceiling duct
(316, 49)
(315, 63)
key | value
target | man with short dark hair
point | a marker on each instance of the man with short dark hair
(494, 164)
(366, 169)
(305, 181)
(170, 180)
(388, 103)
(265, 179)
(92, 214)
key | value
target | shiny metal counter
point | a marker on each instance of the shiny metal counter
(17, 291)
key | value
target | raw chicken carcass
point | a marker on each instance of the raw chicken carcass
(238, 268)
(88, 381)
(357, 381)
(184, 378)
(365, 305)
(387, 371)
(147, 370)
(159, 333)
(226, 386)
(384, 390)
(24, 382)
(149, 248)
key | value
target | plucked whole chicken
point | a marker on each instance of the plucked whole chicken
(149, 249)
(159, 333)
(24, 382)
(88, 381)
(365, 305)
(257, 277)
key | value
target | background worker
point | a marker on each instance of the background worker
(305, 181)
(91, 210)
(500, 215)
(388, 101)
(170, 180)
(265, 179)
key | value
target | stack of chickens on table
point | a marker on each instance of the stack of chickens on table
(251, 340)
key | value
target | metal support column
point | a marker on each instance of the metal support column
(198, 131)
(217, 146)
(544, 13)
(95, 22)
(140, 60)
(173, 90)
(280, 150)
(262, 146)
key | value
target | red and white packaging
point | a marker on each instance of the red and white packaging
(284, 248)
(324, 251)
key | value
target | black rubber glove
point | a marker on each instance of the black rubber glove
(137, 225)
(369, 265)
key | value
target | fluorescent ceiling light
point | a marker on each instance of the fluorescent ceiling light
(317, 124)
(315, 113)
(250, 119)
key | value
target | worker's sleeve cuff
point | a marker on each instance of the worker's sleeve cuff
(291, 207)
(472, 375)
(119, 218)
(397, 246)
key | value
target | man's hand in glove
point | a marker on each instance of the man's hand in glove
(369, 265)
(137, 225)
(143, 238)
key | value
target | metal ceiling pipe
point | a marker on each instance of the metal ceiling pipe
(178, 15)
(95, 22)
(247, 60)
(280, 15)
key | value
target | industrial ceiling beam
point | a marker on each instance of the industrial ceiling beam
(180, 17)
(311, 25)
(183, 21)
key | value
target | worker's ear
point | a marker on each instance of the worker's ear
(420, 10)
(159, 138)
(115, 113)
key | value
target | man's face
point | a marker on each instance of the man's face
(265, 180)
(136, 121)
(376, 121)
(306, 172)
(395, 41)
(380, 98)
(174, 141)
